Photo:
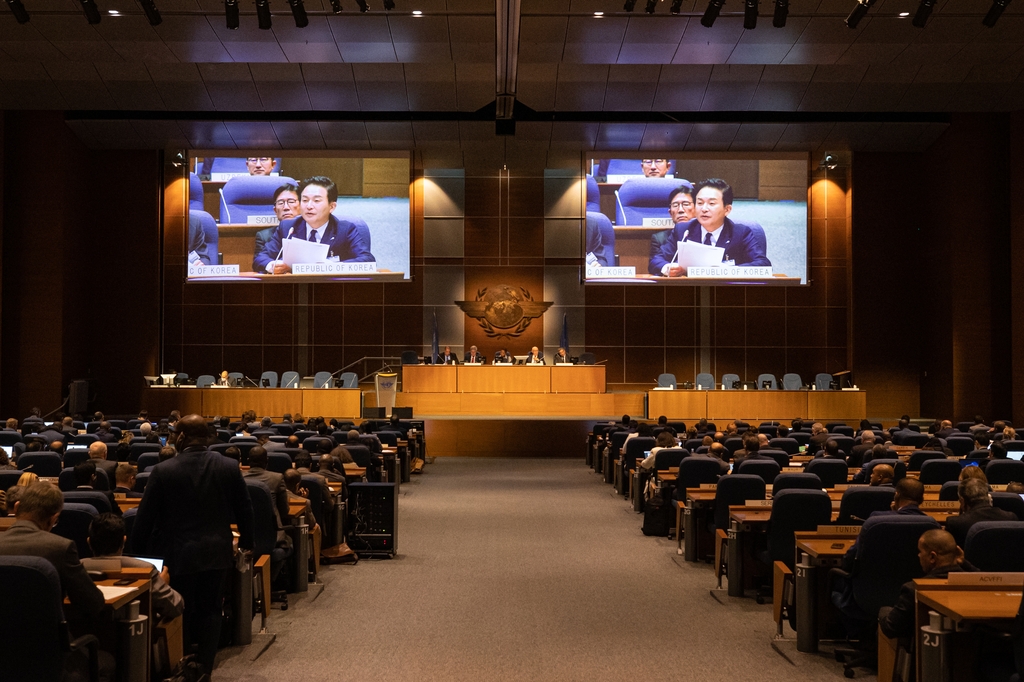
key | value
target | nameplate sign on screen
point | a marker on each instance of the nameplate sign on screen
(612, 272)
(757, 503)
(729, 272)
(333, 268)
(213, 270)
(265, 220)
(975, 578)
(658, 222)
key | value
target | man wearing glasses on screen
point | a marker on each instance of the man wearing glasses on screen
(655, 168)
(680, 209)
(260, 165)
(318, 197)
(286, 205)
(744, 245)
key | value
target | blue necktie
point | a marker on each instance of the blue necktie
(312, 235)
(707, 239)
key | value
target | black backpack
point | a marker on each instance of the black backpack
(657, 516)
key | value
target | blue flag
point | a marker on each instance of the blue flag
(564, 341)
(434, 349)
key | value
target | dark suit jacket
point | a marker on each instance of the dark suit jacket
(129, 493)
(562, 361)
(275, 484)
(479, 358)
(197, 239)
(529, 358)
(344, 239)
(857, 455)
(906, 510)
(262, 237)
(25, 538)
(441, 359)
(507, 361)
(109, 467)
(744, 244)
(106, 493)
(186, 513)
(959, 525)
(899, 620)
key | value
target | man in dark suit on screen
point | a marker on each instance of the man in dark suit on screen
(318, 197)
(185, 516)
(286, 205)
(744, 245)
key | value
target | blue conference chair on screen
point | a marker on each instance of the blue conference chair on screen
(195, 193)
(268, 380)
(593, 195)
(250, 196)
(321, 380)
(643, 198)
(361, 227)
(823, 381)
(770, 378)
(290, 380)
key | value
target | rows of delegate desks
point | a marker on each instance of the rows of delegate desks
(758, 405)
(993, 603)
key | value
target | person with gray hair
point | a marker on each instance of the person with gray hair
(975, 506)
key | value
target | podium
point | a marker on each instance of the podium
(386, 390)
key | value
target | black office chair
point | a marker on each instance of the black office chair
(588, 359)
(73, 524)
(841, 430)
(136, 450)
(1011, 502)
(768, 470)
(960, 446)
(129, 517)
(410, 357)
(42, 464)
(792, 510)
(794, 481)
(845, 443)
(34, 638)
(857, 504)
(278, 461)
(801, 437)
(788, 445)
(832, 472)
(693, 471)
(265, 542)
(998, 471)
(734, 489)
(950, 491)
(939, 471)
(781, 457)
(73, 457)
(733, 444)
(9, 477)
(95, 498)
(921, 456)
(635, 449)
(140, 482)
(996, 546)
(147, 460)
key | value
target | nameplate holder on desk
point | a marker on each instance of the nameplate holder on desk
(262, 220)
(757, 503)
(213, 270)
(709, 486)
(941, 504)
(729, 272)
(658, 222)
(839, 530)
(932, 488)
(988, 579)
(611, 271)
(998, 488)
(331, 268)
(792, 470)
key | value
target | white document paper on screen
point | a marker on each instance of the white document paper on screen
(694, 254)
(301, 251)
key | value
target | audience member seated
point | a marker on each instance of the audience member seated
(98, 455)
(750, 451)
(125, 476)
(5, 463)
(275, 484)
(975, 506)
(832, 450)
(106, 539)
(717, 452)
(664, 440)
(882, 475)
(303, 465)
(819, 436)
(85, 479)
(939, 555)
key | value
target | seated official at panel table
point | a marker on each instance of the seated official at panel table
(318, 197)
(473, 356)
(262, 165)
(286, 205)
(744, 244)
(534, 357)
(503, 357)
(562, 357)
(446, 357)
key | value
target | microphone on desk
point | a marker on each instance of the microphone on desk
(600, 362)
(251, 381)
(281, 252)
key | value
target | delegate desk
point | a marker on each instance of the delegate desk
(332, 402)
(503, 379)
(758, 405)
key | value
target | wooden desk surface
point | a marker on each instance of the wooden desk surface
(822, 547)
(965, 605)
(750, 515)
(139, 587)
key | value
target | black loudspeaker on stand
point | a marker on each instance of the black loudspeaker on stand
(373, 517)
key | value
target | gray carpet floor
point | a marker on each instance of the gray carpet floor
(521, 570)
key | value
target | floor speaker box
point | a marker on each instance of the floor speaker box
(373, 519)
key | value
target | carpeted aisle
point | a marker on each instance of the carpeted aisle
(521, 569)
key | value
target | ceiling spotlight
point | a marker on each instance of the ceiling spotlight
(711, 13)
(830, 162)
(781, 12)
(299, 13)
(179, 158)
(994, 12)
(92, 14)
(651, 4)
(18, 10)
(231, 14)
(858, 12)
(630, 4)
(924, 10)
(263, 14)
(750, 14)
(363, 7)
(152, 13)
(389, 5)
(677, 6)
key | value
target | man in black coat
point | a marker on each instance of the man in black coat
(185, 516)
(975, 506)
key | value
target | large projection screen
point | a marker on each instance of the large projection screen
(273, 216)
(668, 218)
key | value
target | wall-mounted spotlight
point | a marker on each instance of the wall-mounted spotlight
(179, 159)
(829, 161)
(651, 4)
(711, 13)
(924, 10)
(677, 6)
(363, 7)
(781, 12)
(858, 12)
(299, 13)
(336, 6)
(231, 14)
(994, 12)
(18, 9)
(152, 13)
(92, 14)
(263, 14)
(750, 14)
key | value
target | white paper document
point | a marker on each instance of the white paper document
(301, 251)
(692, 254)
(113, 591)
